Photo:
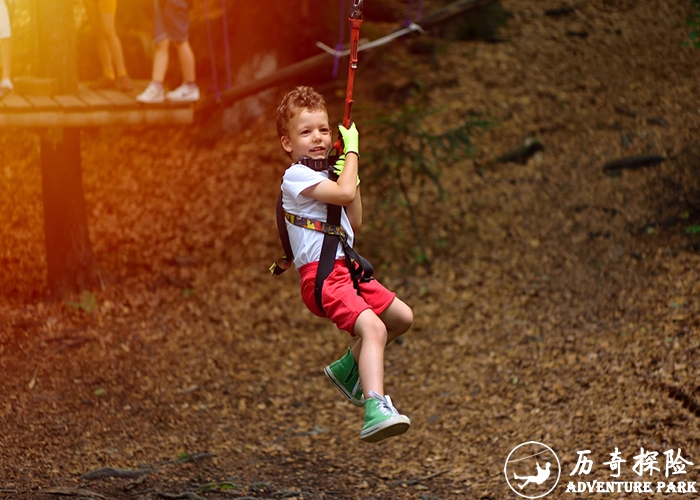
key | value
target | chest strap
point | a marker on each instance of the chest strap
(360, 269)
(316, 225)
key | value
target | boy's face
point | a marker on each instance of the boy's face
(309, 135)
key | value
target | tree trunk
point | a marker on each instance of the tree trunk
(69, 254)
(68, 249)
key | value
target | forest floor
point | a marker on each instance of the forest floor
(560, 305)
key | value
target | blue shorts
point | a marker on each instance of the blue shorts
(172, 22)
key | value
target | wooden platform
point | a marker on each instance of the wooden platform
(91, 108)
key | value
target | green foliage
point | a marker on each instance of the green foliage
(87, 302)
(694, 23)
(407, 153)
(693, 230)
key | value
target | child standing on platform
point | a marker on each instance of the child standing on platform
(171, 24)
(109, 47)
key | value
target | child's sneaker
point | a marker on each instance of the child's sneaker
(153, 94)
(187, 92)
(5, 87)
(382, 420)
(346, 377)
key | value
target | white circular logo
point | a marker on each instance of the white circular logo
(532, 470)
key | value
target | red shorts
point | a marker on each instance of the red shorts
(339, 298)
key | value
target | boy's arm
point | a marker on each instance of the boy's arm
(354, 211)
(342, 192)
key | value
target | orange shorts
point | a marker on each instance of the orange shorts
(340, 299)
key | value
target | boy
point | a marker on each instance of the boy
(376, 316)
(171, 24)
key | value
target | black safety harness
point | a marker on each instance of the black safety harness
(360, 269)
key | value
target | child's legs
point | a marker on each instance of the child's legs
(397, 318)
(187, 66)
(176, 22)
(373, 336)
(113, 42)
(93, 13)
(6, 58)
(160, 60)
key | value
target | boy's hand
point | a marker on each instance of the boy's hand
(339, 165)
(351, 139)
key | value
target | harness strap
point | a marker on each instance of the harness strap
(328, 251)
(316, 225)
(360, 269)
(288, 256)
(358, 262)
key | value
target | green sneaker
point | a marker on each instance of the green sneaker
(346, 377)
(382, 420)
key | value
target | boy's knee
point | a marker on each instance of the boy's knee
(370, 328)
(403, 319)
(408, 318)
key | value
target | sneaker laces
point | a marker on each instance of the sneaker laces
(384, 404)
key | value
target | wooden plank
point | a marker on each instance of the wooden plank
(70, 102)
(139, 85)
(41, 102)
(99, 118)
(117, 98)
(14, 102)
(92, 99)
(32, 85)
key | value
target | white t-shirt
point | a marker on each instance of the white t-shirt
(307, 243)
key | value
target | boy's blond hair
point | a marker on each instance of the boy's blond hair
(301, 98)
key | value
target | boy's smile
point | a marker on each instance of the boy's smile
(309, 135)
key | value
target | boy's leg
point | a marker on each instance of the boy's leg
(373, 335)
(113, 42)
(397, 318)
(382, 420)
(6, 60)
(188, 90)
(160, 61)
(5, 50)
(154, 92)
(176, 19)
(93, 14)
(187, 63)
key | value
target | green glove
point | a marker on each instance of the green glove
(340, 165)
(351, 139)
